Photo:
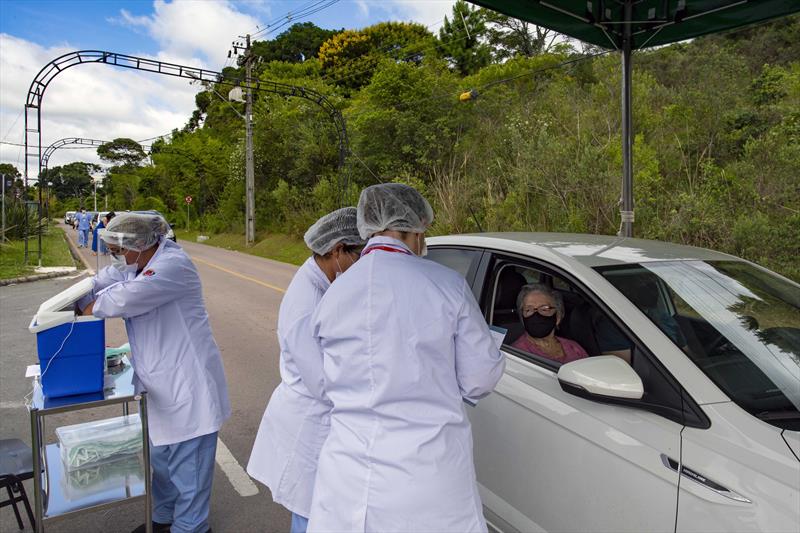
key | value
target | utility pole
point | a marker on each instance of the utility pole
(4, 207)
(250, 182)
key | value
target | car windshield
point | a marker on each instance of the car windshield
(739, 323)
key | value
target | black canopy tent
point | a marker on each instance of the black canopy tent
(628, 25)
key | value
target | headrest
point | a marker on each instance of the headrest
(509, 284)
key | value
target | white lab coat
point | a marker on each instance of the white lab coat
(403, 343)
(175, 357)
(297, 419)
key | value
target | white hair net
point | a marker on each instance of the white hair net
(333, 228)
(134, 231)
(392, 206)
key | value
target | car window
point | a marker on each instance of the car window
(462, 260)
(585, 329)
(572, 311)
(739, 324)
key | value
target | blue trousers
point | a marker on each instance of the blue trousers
(299, 524)
(182, 476)
(83, 237)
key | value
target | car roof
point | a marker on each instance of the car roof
(589, 250)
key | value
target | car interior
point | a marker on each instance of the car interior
(582, 319)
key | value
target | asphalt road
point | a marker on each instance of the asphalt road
(242, 295)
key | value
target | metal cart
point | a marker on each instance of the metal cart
(51, 500)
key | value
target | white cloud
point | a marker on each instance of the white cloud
(131, 20)
(186, 28)
(426, 12)
(91, 101)
(105, 102)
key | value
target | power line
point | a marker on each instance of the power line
(156, 137)
(280, 22)
(263, 27)
(13, 124)
(292, 16)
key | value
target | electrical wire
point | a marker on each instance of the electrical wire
(156, 137)
(273, 21)
(486, 86)
(13, 124)
(46, 368)
(291, 17)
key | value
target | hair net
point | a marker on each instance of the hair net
(392, 206)
(134, 231)
(333, 228)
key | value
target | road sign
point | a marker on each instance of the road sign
(188, 199)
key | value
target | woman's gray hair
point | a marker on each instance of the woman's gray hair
(544, 289)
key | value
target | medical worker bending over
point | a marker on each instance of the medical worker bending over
(154, 286)
(403, 343)
(297, 418)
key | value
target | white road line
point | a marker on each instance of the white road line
(12, 405)
(236, 475)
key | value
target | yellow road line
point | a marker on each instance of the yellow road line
(242, 276)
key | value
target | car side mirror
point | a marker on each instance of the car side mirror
(605, 376)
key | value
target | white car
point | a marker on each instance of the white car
(699, 433)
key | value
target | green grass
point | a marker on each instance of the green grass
(272, 245)
(55, 252)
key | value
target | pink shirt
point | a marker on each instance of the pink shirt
(572, 350)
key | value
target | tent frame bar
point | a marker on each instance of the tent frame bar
(626, 204)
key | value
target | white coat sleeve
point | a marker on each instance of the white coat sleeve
(479, 364)
(142, 294)
(301, 347)
(106, 277)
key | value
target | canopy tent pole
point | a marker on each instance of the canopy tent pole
(626, 203)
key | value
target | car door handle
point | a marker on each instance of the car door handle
(688, 473)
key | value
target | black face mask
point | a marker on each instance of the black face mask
(539, 326)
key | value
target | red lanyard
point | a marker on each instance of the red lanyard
(385, 248)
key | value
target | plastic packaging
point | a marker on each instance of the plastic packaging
(81, 483)
(101, 441)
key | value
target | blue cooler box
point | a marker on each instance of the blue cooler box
(71, 348)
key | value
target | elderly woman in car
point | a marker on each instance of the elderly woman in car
(541, 309)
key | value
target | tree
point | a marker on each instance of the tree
(9, 170)
(73, 180)
(462, 37)
(300, 42)
(511, 37)
(122, 152)
(350, 58)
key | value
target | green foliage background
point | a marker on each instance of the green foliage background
(717, 145)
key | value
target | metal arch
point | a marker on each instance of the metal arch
(33, 102)
(56, 66)
(48, 152)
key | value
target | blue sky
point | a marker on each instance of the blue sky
(99, 23)
(94, 102)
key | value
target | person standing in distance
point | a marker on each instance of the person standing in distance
(154, 286)
(84, 225)
(404, 344)
(297, 418)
